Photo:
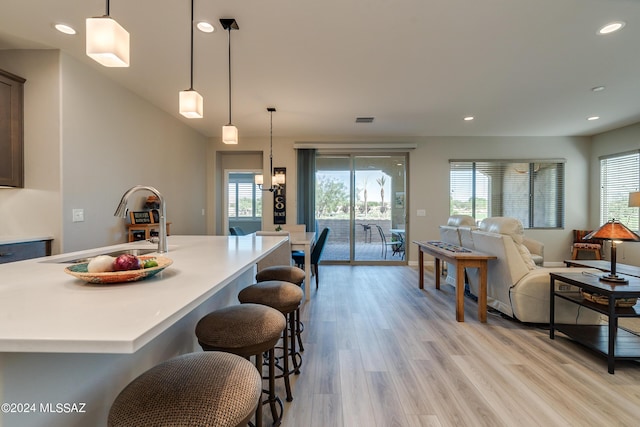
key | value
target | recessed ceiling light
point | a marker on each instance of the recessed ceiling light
(468, 118)
(597, 89)
(63, 28)
(611, 27)
(205, 27)
(592, 118)
(364, 119)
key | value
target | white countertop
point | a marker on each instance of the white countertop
(43, 309)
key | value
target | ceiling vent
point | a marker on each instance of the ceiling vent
(364, 119)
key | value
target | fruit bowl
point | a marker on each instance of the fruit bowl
(80, 271)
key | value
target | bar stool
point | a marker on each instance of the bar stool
(291, 274)
(286, 298)
(246, 330)
(195, 389)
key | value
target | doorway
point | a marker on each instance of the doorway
(361, 198)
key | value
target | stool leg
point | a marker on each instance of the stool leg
(298, 330)
(259, 410)
(293, 352)
(285, 373)
(273, 399)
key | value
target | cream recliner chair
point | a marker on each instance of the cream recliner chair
(516, 286)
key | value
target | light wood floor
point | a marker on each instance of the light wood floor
(380, 352)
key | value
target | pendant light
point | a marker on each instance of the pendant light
(107, 41)
(276, 180)
(191, 100)
(229, 132)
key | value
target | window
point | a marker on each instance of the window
(619, 175)
(530, 190)
(245, 198)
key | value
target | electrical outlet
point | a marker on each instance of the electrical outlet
(78, 215)
(202, 211)
(421, 212)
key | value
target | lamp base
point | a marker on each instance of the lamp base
(612, 278)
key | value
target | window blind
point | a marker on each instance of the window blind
(530, 190)
(619, 175)
(245, 198)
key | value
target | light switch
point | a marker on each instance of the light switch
(78, 215)
(421, 212)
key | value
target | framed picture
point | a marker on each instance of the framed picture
(145, 217)
(399, 200)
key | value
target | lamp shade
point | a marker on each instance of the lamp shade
(258, 179)
(634, 199)
(191, 104)
(229, 134)
(613, 230)
(107, 42)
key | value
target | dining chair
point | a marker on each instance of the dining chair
(294, 228)
(316, 253)
(396, 244)
(236, 231)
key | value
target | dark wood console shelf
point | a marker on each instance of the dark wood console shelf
(609, 340)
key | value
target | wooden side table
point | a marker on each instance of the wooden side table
(608, 340)
(147, 228)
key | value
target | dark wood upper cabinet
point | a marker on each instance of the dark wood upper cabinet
(11, 130)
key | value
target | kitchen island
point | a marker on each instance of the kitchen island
(68, 347)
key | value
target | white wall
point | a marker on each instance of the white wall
(428, 185)
(35, 210)
(616, 141)
(88, 140)
(113, 140)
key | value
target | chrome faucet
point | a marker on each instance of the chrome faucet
(121, 212)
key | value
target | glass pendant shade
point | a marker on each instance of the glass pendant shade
(191, 104)
(229, 134)
(278, 179)
(107, 42)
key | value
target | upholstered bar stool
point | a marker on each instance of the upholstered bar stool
(195, 389)
(246, 330)
(286, 298)
(291, 274)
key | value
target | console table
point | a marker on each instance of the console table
(462, 258)
(608, 340)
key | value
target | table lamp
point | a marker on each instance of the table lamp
(616, 232)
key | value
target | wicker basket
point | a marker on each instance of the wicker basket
(604, 300)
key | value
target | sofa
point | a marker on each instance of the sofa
(516, 286)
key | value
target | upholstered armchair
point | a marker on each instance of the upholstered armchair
(516, 286)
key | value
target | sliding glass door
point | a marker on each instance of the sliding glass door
(361, 198)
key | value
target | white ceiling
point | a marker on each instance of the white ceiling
(521, 67)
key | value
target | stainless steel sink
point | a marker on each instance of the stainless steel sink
(132, 251)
